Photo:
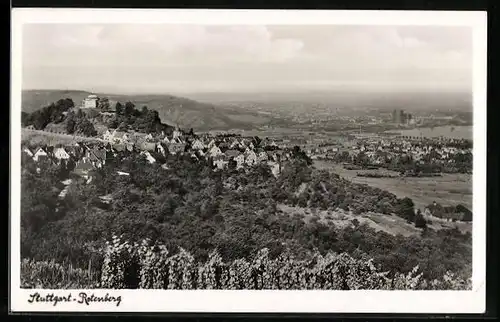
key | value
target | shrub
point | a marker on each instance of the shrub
(51, 275)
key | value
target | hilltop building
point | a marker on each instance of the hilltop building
(90, 102)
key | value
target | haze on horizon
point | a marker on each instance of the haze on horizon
(183, 59)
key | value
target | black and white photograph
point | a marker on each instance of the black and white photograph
(172, 153)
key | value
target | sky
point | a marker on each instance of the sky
(166, 58)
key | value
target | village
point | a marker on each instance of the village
(447, 155)
(219, 150)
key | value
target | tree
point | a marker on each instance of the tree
(420, 221)
(25, 118)
(256, 141)
(70, 123)
(86, 128)
(467, 214)
(129, 108)
(119, 108)
(103, 104)
(406, 209)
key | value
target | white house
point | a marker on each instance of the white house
(215, 151)
(240, 160)
(176, 134)
(211, 144)
(262, 156)
(28, 152)
(61, 154)
(250, 158)
(197, 145)
(220, 163)
(40, 153)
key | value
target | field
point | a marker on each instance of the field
(35, 138)
(450, 189)
(390, 224)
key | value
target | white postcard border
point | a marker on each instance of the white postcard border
(263, 301)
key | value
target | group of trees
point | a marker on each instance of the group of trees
(53, 113)
(60, 113)
(127, 117)
(78, 123)
(235, 212)
(454, 213)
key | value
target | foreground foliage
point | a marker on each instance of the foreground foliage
(150, 266)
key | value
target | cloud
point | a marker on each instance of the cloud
(133, 54)
(163, 44)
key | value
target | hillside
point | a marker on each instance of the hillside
(173, 110)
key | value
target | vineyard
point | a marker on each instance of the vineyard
(150, 266)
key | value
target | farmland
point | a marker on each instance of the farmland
(449, 189)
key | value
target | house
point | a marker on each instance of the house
(220, 163)
(197, 145)
(215, 151)
(166, 140)
(149, 137)
(240, 160)
(161, 149)
(262, 156)
(97, 157)
(177, 133)
(211, 144)
(177, 140)
(40, 154)
(61, 154)
(250, 157)
(93, 159)
(121, 173)
(28, 152)
(83, 169)
(149, 157)
(147, 146)
(175, 148)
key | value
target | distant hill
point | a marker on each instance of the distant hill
(173, 110)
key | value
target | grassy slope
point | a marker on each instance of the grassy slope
(173, 110)
(450, 189)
